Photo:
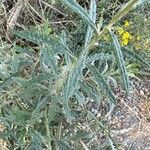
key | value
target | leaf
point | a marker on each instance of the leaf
(48, 58)
(37, 140)
(8, 81)
(79, 10)
(17, 116)
(80, 98)
(92, 15)
(53, 110)
(35, 37)
(111, 143)
(40, 105)
(120, 62)
(102, 83)
(90, 91)
(142, 2)
(72, 81)
(98, 56)
(41, 39)
(135, 57)
(63, 145)
(27, 51)
(29, 86)
(80, 135)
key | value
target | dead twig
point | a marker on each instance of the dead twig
(84, 145)
(52, 7)
(15, 11)
(13, 17)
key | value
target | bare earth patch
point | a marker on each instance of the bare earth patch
(130, 119)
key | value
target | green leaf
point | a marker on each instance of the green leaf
(102, 84)
(135, 57)
(80, 98)
(29, 86)
(53, 110)
(35, 37)
(98, 56)
(90, 91)
(48, 58)
(79, 10)
(120, 62)
(27, 51)
(92, 15)
(7, 81)
(80, 135)
(63, 145)
(37, 140)
(72, 81)
(17, 116)
(40, 105)
(42, 39)
(111, 144)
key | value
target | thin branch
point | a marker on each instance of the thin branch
(84, 145)
(50, 6)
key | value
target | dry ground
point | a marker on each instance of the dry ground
(130, 119)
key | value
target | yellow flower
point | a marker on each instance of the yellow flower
(120, 31)
(126, 24)
(124, 42)
(126, 35)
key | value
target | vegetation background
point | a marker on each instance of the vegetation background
(61, 65)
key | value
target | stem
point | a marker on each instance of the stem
(59, 132)
(48, 132)
(84, 145)
(119, 15)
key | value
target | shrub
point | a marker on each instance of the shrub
(45, 88)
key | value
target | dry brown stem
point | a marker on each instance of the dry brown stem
(13, 17)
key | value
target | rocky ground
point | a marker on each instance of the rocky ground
(130, 119)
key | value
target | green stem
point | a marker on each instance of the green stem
(119, 15)
(48, 132)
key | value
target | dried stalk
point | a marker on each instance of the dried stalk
(15, 12)
(14, 15)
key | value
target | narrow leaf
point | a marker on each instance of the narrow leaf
(48, 58)
(73, 80)
(79, 10)
(63, 145)
(92, 93)
(120, 62)
(41, 39)
(134, 56)
(102, 83)
(41, 104)
(92, 15)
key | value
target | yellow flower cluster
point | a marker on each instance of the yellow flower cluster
(124, 35)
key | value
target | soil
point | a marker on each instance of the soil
(130, 119)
